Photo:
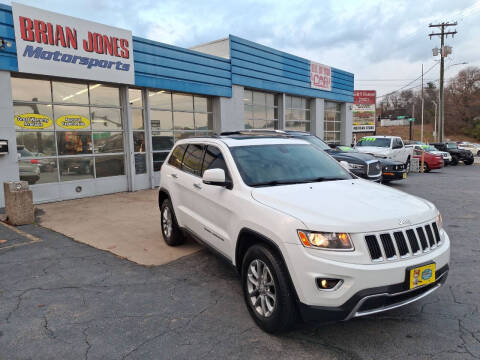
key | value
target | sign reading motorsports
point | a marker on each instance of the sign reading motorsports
(73, 122)
(364, 102)
(33, 121)
(54, 44)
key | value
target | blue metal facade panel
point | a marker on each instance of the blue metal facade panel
(169, 67)
(8, 56)
(261, 67)
(162, 66)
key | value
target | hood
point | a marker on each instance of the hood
(352, 156)
(346, 205)
(377, 151)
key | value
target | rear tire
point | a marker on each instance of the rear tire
(267, 291)
(171, 232)
(469, 162)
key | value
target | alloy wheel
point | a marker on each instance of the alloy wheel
(261, 288)
(167, 222)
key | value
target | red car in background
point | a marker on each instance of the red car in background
(430, 161)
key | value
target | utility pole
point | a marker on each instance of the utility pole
(411, 122)
(444, 51)
(421, 130)
(435, 122)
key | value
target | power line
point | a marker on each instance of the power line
(410, 83)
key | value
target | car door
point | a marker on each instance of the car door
(188, 182)
(214, 204)
(398, 150)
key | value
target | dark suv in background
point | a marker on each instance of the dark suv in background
(457, 154)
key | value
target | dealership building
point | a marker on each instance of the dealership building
(88, 109)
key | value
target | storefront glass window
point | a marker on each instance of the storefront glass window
(191, 116)
(61, 134)
(332, 122)
(261, 110)
(297, 113)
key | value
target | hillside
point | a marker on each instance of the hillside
(403, 132)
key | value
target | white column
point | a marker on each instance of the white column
(347, 124)
(281, 111)
(9, 162)
(317, 117)
(128, 138)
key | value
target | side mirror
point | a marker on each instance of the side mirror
(216, 177)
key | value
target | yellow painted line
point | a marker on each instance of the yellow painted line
(32, 238)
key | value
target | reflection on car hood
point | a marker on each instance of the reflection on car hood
(352, 155)
(346, 205)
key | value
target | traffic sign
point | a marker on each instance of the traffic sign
(401, 117)
(411, 119)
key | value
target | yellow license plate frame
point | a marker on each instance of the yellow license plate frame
(404, 175)
(421, 275)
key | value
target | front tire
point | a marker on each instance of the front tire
(267, 291)
(407, 165)
(170, 230)
(454, 161)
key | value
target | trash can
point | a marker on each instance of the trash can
(18, 203)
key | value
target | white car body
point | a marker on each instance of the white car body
(474, 148)
(396, 151)
(217, 215)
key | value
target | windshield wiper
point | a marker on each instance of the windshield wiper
(279, 182)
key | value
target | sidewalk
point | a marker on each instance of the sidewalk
(126, 224)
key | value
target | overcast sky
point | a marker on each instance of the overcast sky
(383, 43)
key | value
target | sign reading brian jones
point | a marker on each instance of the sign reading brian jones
(54, 44)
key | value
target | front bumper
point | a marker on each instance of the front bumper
(393, 175)
(360, 277)
(363, 174)
(372, 301)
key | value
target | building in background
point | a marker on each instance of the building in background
(89, 109)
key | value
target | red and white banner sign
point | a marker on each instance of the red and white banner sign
(320, 76)
(54, 44)
(364, 97)
(364, 103)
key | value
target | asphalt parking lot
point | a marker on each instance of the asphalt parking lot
(60, 299)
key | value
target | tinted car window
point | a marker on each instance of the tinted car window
(214, 160)
(192, 160)
(270, 165)
(177, 156)
(371, 141)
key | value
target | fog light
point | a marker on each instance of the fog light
(328, 284)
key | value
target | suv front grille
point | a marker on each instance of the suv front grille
(374, 168)
(394, 245)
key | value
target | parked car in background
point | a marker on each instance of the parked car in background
(447, 158)
(430, 161)
(391, 147)
(457, 154)
(391, 169)
(29, 169)
(308, 239)
(474, 148)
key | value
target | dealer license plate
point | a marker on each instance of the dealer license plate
(422, 275)
(404, 175)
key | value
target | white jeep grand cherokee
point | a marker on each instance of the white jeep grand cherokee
(307, 237)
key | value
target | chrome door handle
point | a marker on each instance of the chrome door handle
(175, 176)
(197, 186)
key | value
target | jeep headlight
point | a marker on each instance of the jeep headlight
(439, 221)
(354, 166)
(324, 240)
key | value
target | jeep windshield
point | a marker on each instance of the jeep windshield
(377, 142)
(282, 164)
